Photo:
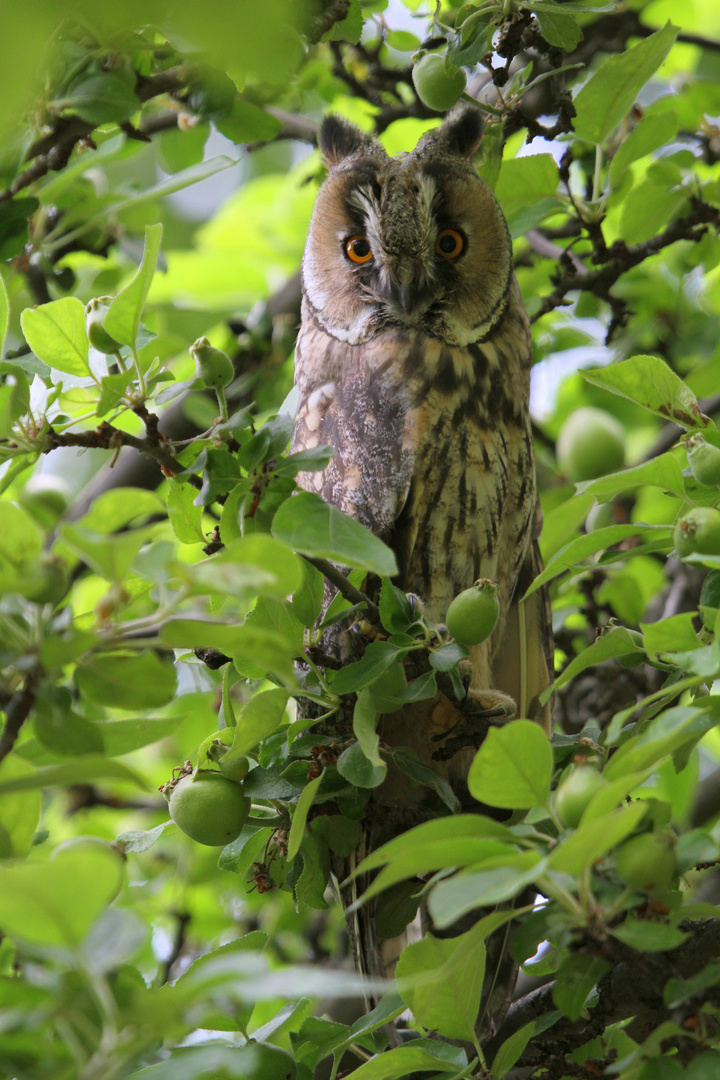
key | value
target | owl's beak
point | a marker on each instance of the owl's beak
(405, 295)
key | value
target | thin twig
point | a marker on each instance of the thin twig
(343, 586)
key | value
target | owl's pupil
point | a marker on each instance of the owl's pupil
(447, 244)
(361, 248)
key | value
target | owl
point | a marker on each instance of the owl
(413, 362)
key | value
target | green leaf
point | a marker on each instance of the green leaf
(354, 767)
(653, 203)
(309, 890)
(593, 838)
(310, 526)
(56, 902)
(510, 1050)
(663, 736)
(123, 318)
(406, 761)
(441, 981)
(56, 334)
(504, 878)
(527, 191)
(127, 680)
(83, 770)
(4, 314)
(422, 1055)
(19, 810)
(648, 936)
(365, 722)
(663, 472)
(650, 134)
(609, 95)
(650, 382)
(103, 98)
(396, 613)
(615, 642)
(297, 828)
(138, 840)
(438, 856)
(347, 29)
(184, 516)
(252, 565)
(572, 555)
(513, 767)
(307, 600)
(678, 990)
(340, 834)
(257, 719)
(460, 831)
(14, 226)
(559, 29)
(123, 736)
(575, 979)
(674, 634)
(247, 123)
(379, 656)
(108, 556)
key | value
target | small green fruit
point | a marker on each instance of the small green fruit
(266, 1062)
(573, 796)
(698, 532)
(46, 497)
(235, 768)
(591, 443)
(212, 365)
(45, 582)
(95, 312)
(209, 808)
(472, 615)
(90, 844)
(647, 861)
(439, 83)
(704, 460)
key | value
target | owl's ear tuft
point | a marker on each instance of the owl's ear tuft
(460, 133)
(338, 139)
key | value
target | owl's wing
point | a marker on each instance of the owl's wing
(369, 477)
(523, 658)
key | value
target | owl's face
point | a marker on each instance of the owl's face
(416, 242)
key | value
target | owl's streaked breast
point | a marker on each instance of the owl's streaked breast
(433, 448)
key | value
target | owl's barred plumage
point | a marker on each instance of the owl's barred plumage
(415, 367)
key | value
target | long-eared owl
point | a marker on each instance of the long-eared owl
(413, 362)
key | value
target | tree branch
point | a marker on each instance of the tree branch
(16, 713)
(343, 586)
(633, 985)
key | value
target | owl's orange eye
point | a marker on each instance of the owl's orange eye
(449, 244)
(358, 249)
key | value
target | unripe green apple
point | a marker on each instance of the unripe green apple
(209, 808)
(647, 861)
(45, 582)
(95, 312)
(573, 796)
(704, 460)
(472, 615)
(439, 84)
(212, 365)
(698, 532)
(591, 443)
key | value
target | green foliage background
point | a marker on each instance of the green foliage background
(126, 545)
